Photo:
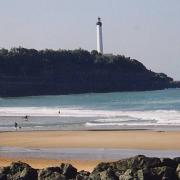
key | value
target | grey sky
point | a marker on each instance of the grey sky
(147, 30)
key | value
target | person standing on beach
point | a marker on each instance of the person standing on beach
(26, 118)
(16, 125)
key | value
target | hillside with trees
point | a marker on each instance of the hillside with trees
(25, 72)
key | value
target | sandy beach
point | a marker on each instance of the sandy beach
(92, 139)
(147, 140)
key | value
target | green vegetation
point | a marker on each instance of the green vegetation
(31, 72)
(30, 62)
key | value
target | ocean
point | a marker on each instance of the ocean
(156, 110)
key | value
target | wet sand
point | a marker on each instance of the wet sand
(168, 140)
(146, 140)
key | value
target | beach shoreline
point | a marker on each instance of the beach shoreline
(129, 139)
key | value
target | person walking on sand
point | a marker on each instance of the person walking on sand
(16, 125)
(59, 112)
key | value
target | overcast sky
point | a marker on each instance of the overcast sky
(147, 30)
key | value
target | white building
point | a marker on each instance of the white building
(99, 36)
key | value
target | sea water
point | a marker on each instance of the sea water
(93, 111)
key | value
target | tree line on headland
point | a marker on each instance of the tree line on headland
(32, 72)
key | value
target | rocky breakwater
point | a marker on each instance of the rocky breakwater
(136, 168)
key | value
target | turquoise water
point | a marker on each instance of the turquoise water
(149, 109)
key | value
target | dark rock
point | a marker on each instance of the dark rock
(143, 162)
(136, 163)
(169, 162)
(177, 159)
(108, 175)
(128, 175)
(83, 175)
(3, 177)
(18, 171)
(178, 171)
(102, 167)
(105, 172)
(144, 174)
(68, 171)
(164, 172)
(4, 170)
(141, 174)
(51, 173)
(136, 168)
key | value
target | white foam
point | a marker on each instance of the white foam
(161, 117)
(90, 124)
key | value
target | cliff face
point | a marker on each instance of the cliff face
(29, 72)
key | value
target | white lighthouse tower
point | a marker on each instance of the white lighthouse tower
(99, 36)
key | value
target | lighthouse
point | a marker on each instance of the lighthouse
(99, 36)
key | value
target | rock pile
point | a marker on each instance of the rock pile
(136, 168)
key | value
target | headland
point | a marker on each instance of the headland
(28, 72)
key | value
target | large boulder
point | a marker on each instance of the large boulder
(163, 173)
(49, 173)
(108, 174)
(178, 171)
(120, 167)
(177, 159)
(169, 162)
(102, 170)
(18, 171)
(83, 175)
(128, 175)
(139, 167)
(137, 162)
(68, 171)
(2, 177)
